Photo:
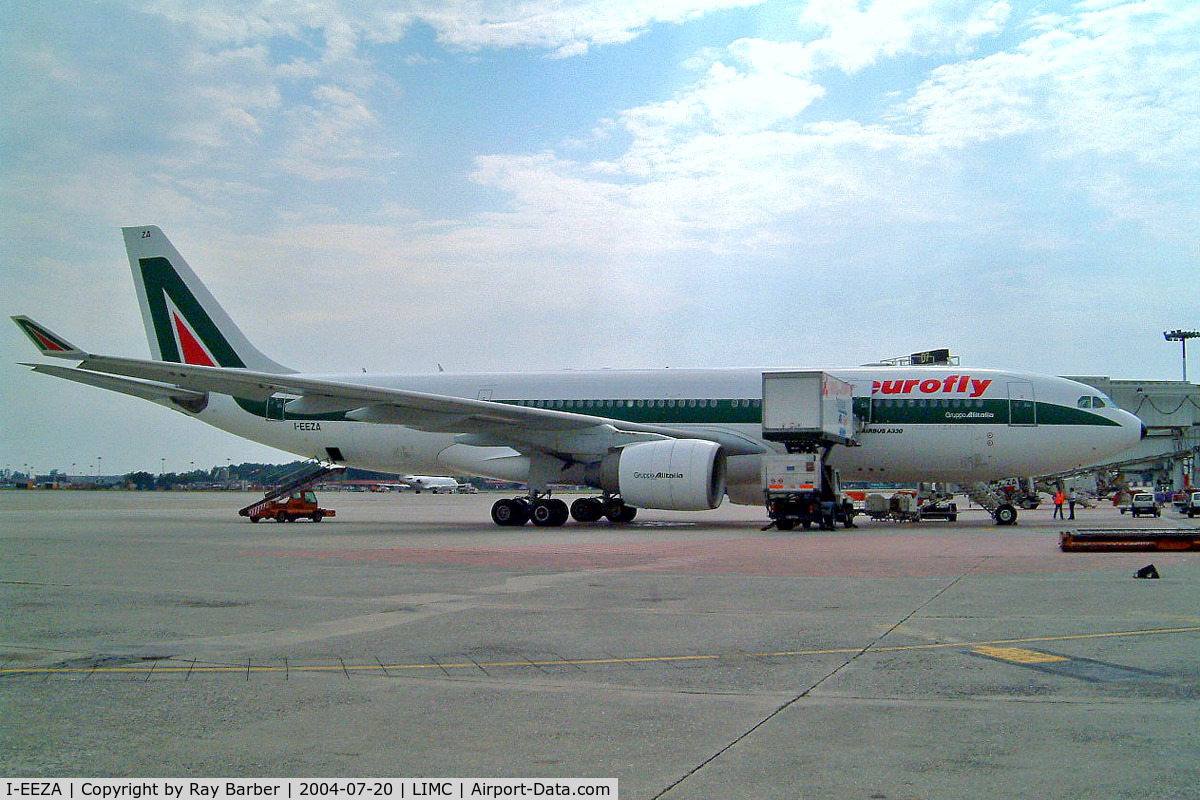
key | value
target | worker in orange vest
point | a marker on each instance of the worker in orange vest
(1059, 498)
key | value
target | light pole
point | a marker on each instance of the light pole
(1182, 337)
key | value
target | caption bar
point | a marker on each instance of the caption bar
(298, 788)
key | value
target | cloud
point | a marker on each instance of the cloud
(564, 29)
(1110, 89)
(326, 141)
(1112, 81)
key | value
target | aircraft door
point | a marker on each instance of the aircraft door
(1022, 409)
(275, 406)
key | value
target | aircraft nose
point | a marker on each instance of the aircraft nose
(1131, 424)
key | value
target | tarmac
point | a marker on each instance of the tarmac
(688, 655)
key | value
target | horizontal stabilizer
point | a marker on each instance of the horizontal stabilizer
(146, 390)
(47, 341)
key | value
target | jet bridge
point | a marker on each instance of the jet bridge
(809, 413)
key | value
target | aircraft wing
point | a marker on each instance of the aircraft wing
(434, 412)
(493, 423)
(156, 392)
(482, 422)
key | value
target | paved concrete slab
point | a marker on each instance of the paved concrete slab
(687, 655)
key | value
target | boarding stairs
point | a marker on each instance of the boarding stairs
(308, 475)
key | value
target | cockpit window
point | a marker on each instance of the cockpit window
(1085, 402)
(1088, 401)
(1097, 402)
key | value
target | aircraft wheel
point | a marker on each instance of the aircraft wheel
(1006, 515)
(549, 513)
(587, 509)
(620, 513)
(510, 513)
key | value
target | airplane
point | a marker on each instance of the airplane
(431, 483)
(676, 439)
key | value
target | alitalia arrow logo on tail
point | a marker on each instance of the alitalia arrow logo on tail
(187, 343)
(183, 330)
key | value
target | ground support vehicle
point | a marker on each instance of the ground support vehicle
(1191, 506)
(900, 507)
(938, 508)
(298, 505)
(1144, 504)
(801, 490)
(907, 506)
(1117, 539)
(293, 500)
(809, 413)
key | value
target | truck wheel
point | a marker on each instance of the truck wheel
(317, 516)
(785, 524)
(255, 519)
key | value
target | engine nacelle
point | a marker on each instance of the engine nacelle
(674, 474)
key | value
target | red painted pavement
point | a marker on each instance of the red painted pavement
(858, 555)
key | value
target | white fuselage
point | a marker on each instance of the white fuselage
(915, 423)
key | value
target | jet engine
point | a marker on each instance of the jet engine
(674, 474)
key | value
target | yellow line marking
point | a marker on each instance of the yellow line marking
(192, 668)
(1018, 655)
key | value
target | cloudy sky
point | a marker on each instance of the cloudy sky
(595, 183)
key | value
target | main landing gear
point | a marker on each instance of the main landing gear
(546, 512)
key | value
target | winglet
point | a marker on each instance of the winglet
(47, 341)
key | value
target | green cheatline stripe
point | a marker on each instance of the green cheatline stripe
(974, 412)
(569, 662)
(743, 412)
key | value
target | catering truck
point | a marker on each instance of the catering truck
(809, 413)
